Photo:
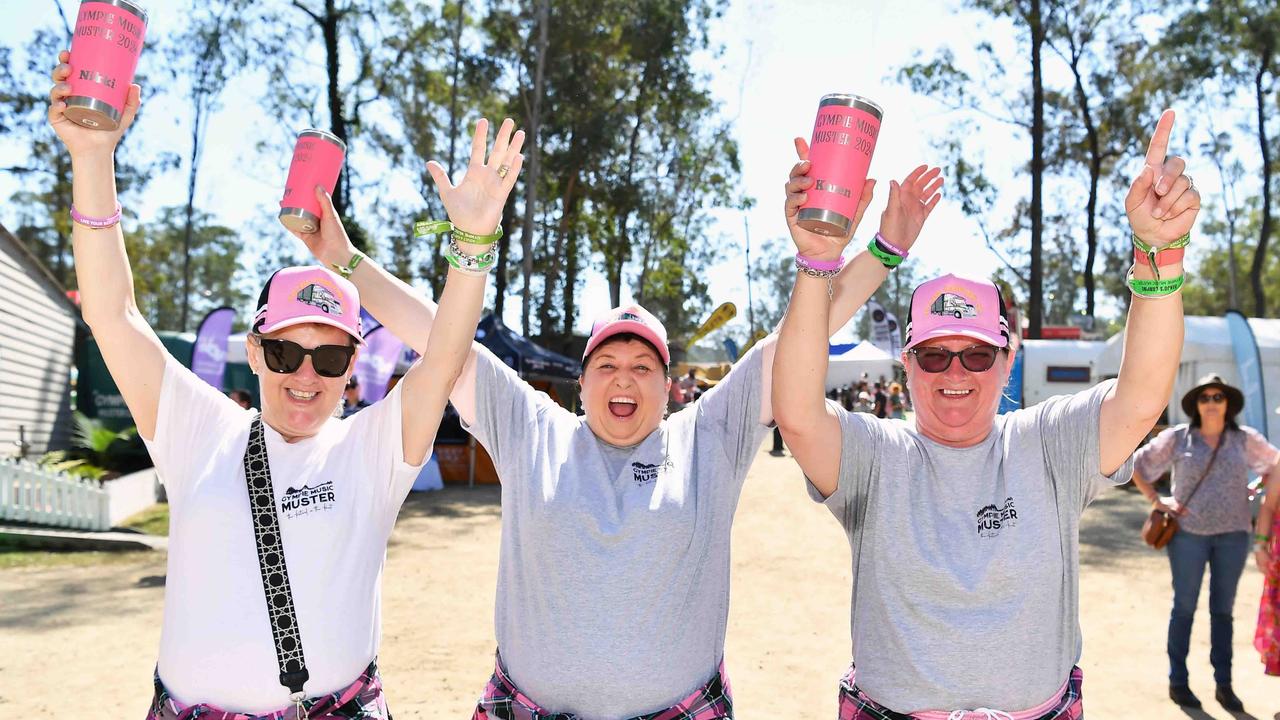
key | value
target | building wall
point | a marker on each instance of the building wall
(37, 338)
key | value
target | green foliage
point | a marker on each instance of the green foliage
(156, 252)
(98, 451)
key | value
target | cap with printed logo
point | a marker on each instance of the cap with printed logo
(629, 319)
(954, 305)
(308, 294)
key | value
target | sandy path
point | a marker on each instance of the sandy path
(81, 642)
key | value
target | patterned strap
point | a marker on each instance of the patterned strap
(275, 575)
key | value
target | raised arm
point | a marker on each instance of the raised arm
(130, 348)
(1162, 207)
(809, 426)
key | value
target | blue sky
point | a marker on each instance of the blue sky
(779, 59)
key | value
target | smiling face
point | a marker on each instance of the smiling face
(297, 404)
(624, 391)
(956, 407)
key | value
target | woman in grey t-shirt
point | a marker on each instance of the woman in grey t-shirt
(963, 526)
(1210, 457)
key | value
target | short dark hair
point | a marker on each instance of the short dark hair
(625, 337)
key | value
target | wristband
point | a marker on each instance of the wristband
(346, 270)
(886, 258)
(1259, 537)
(890, 247)
(1150, 254)
(1154, 289)
(804, 261)
(96, 223)
(471, 264)
(435, 227)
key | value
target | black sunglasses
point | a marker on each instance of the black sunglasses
(1215, 397)
(975, 358)
(286, 356)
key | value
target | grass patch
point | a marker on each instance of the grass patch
(152, 521)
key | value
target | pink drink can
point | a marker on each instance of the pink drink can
(104, 55)
(317, 160)
(844, 138)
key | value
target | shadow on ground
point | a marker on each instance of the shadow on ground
(1112, 533)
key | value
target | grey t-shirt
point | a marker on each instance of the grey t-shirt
(613, 579)
(966, 560)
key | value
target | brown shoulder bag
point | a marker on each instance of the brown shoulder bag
(1161, 525)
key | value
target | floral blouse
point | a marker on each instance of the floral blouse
(1222, 505)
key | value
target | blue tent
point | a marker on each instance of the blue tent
(520, 354)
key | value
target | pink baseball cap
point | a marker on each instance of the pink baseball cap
(308, 294)
(629, 319)
(952, 305)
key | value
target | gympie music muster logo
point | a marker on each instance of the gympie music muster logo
(305, 500)
(992, 518)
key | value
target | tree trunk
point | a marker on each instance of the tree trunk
(337, 117)
(188, 226)
(454, 119)
(1264, 145)
(504, 249)
(1035, 305)
(533, 176)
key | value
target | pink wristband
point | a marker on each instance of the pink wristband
(891, 247)
(823, 265)
(96, 223)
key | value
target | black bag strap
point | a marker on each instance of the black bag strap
(275, 575)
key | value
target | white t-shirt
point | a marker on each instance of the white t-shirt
(338, 493)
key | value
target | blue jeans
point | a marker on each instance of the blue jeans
(1226, 555)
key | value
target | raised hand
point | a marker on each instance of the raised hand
(330, 244)
(79, 140)
(475, 204)
(809, 244)
(1162, 203)
(910, 204)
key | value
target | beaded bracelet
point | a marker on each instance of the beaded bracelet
(96, 223)
(471, 264)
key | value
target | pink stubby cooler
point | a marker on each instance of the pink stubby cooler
(317, 160)
(104, 56)
(844, 138)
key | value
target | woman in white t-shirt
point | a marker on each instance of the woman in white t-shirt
(294, 505)
(613, 574)
(963, 526)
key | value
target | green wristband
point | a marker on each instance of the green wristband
(1259, 537)
(1163, 287)
(346, 270)
(435, 227)
(1152, 251)
(887, 259)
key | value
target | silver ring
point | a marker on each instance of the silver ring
(503, 170)
(1191, 183)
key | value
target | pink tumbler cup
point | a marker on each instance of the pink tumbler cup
(844, 138)
(104, 56)
(317, 160)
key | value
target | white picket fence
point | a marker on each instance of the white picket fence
(32, 494)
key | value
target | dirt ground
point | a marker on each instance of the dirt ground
(81, 641)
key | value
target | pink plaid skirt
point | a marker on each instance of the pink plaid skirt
(502, 700)
(855, 705)
(361, 700)
(1267, 636)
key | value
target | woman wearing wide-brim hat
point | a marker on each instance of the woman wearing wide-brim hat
(1211, 457)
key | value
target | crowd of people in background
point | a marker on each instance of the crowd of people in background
(883, 398)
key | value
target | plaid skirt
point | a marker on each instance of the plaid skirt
(502, 700)
(361, 700)
(855, 705)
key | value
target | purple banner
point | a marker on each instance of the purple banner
(209, 357)
(376, 363)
